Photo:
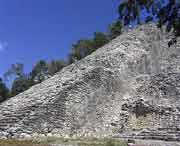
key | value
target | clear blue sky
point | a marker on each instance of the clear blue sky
(31, 30)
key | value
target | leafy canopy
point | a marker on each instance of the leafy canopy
(166, 12)
(4, 91)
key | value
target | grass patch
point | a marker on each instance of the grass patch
(113, 142)
(87, 141)
(48, 141)
(21, 143)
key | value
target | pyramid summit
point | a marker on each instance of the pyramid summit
(129, 88)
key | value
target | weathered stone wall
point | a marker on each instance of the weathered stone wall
(124, 89)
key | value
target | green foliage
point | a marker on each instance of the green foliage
(130, 10)
(84, 47)
(80, 50)
(166, 13)
(115, 29)
(55, 65)
(39, 72)
(169, 15)
(100, 39)
(4, 91)
(176, 26)
(16, 69)
(20, 84)
(149, 19)
(21, 81)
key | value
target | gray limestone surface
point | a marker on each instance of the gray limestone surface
(130, 88)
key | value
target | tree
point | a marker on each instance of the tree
(84, 47)
(55, 65)
(20, 84)
(165, 12)
(115, 29)
(16, 69)
(80, 50)
(100, 39)
(148, 19)
(39, 72)
(4, 91)
(169, 15)
(21, 81)
(130, 10)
